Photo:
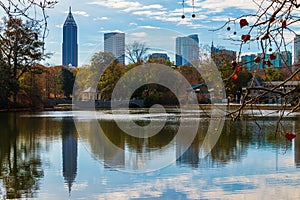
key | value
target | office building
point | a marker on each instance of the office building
(187, 50)
(248, 62)
(114, 42)
(215, 51)
(159, 56)
(281, 59)
(296, 49)
(70, 46)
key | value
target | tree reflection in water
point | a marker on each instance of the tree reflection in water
(20, 162)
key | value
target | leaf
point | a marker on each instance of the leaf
(257, 59)
(245, 38)
(284, 25)
(243, 22)
(272, 56)
(290, 136)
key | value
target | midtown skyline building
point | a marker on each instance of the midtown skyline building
(114, 42)
(159, 56)
(187, 49)
(69, 45)
(282, 59)
(296, 49)
(219, 51)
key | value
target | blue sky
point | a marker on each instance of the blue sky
(155, 22)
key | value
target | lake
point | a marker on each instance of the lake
(54, 155)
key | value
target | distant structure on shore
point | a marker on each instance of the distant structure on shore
(159, 56)
(114, 42)
(187, 49)
(70, 46)
(297, 49)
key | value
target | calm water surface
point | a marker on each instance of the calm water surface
(42, 156)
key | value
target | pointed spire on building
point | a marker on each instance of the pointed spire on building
(70, 46)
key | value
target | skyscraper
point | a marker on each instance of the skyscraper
(70, 46)
(296, 49)
(221, 52)
(114, 42)
(187, 49)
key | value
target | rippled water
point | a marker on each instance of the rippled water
(44, 156)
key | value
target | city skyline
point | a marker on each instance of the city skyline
(98, 17)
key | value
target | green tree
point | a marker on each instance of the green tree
(20, 50)
(273, 75)
(109, 79)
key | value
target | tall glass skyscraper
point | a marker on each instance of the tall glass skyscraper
(297, 49)
(187, 49)
(114, 42)
(70, 46)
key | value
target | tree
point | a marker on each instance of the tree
(31, 11)
(109, 79)
(4, 87)
(90, 75)
(20, 50)
(273, 75)
(68, 80)
(136, 51)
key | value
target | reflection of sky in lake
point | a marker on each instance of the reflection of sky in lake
(259, 171)
(254, 177)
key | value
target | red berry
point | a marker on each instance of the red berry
(234, 76)
(239, 69)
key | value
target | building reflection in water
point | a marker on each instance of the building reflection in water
(296, 128)
(69, 152)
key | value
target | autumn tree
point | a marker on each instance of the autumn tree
(20, 50)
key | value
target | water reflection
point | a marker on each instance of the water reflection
(236, 138)
(69, 152)
(24, 142)
(20, 161)
(297, 145)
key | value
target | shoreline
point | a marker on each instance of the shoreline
(68, 107)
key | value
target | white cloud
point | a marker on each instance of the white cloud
(148, 7)
(81, 13)
(117, 4)
(149, 27)
(149, 13)
(221, 5)
(59, 26)
(108, 31)
(89, 44)
(139, 34)
(101, 19)
(133, 24)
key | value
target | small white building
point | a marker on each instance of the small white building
(91, 94)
